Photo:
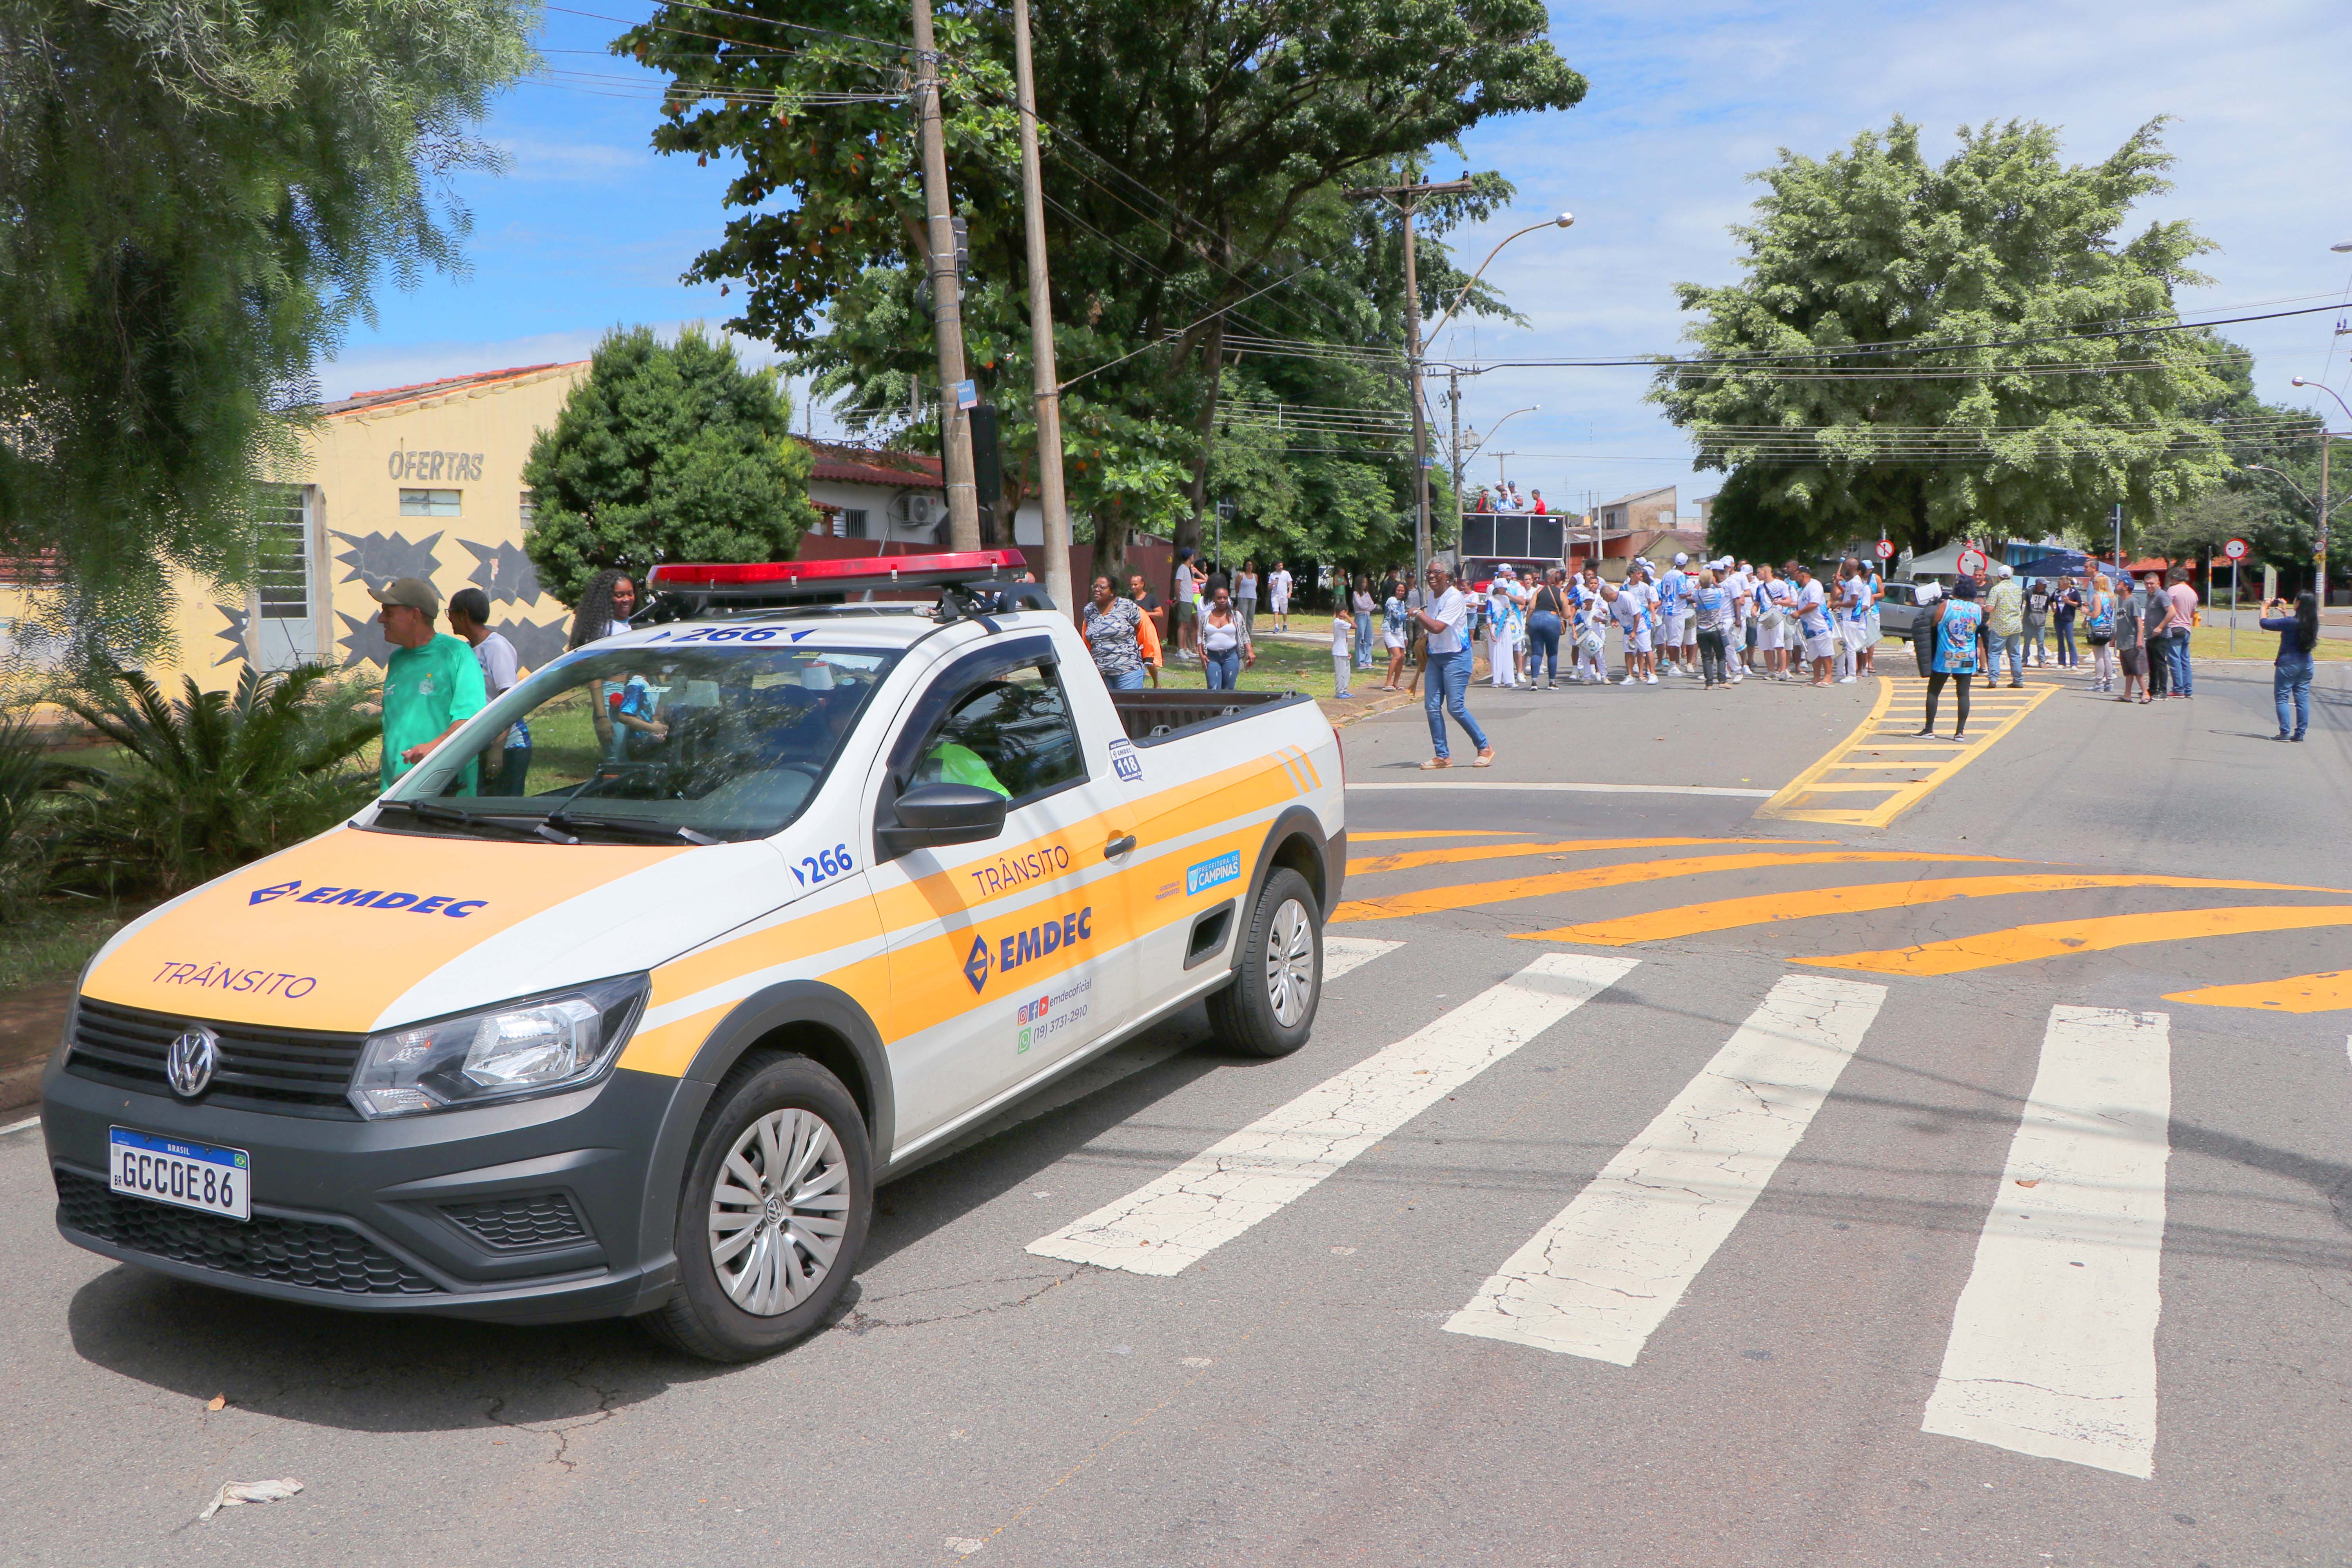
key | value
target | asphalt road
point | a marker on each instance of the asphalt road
(1671, 1247)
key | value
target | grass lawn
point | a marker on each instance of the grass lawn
(1285, 666)
(51, 941)
(2213, 642)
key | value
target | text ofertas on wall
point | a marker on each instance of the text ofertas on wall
(436, 464)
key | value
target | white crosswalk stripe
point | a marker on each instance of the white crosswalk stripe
(2053, 1350)
(1600, 1279)
(1222, 1192)
(1342, 954)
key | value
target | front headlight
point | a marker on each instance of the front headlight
(535, 1046)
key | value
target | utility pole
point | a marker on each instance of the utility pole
(1051, 500)
(1454, 401)
(947, 291)
(1404, 198)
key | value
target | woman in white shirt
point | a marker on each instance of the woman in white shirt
(1226, 647)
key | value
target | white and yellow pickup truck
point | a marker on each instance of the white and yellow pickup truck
(791, 894)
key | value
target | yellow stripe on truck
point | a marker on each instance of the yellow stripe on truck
(932, 983)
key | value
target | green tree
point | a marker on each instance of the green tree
(1197, 156)
(1822, 386)
(2272, 451)
(665, 452)
(196, 197)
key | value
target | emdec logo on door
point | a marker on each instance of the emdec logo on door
(1014, 949)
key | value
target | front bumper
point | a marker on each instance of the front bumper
(547, 1210)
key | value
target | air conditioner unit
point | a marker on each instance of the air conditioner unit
(914, 509)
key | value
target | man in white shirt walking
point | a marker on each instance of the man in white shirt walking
(1444, 615)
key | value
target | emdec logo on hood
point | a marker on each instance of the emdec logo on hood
(370, 899)
(1017, 948)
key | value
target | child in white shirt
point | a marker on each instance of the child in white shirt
(1343, 630)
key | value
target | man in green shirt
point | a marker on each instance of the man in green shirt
(432, 684)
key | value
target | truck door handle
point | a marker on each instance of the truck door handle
(1118, 847)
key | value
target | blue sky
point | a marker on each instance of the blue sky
(588, 229)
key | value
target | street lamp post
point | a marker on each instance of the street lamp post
(2319, 539)
(1404, 198)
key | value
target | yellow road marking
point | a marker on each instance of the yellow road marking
(2299, 994)
(1435, 833)
(2023, 944)
(1799, 799)
(1406, 861)
(1469, 895)
(1770, 908)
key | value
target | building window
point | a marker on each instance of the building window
(527, 510)
(851, 523)
(282, 551)
(430, 503)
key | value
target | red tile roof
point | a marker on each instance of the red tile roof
(875, 465)
(448, 384)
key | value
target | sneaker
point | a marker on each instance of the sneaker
(1845, 680)
(1652, 680)
(1923, 735)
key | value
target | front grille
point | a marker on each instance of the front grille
(289, 1251)
(295, 1072)
(538, 1219)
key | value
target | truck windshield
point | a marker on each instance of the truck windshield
(648, 743)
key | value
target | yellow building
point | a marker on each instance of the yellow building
(413, 481)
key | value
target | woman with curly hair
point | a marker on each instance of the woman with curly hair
(605, 608)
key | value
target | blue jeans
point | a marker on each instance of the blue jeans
(1449, 683)
(2066, 654)
(2014, 646)
(1225, 669)
(1363, 639)
(1126, 679)
(2291, 683)
(2176, 656)
(1543, 646)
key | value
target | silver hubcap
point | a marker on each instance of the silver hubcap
(779, 1211)
(1290, 963)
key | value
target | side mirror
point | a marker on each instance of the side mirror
(938, 813)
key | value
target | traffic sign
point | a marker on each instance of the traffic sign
(1973, 561)
(2236, 550)
(1887, 550)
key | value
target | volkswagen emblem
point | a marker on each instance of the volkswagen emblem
(189, 1064)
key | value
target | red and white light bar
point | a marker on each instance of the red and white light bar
(847, 575)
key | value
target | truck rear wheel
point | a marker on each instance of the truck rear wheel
(778, 1195)
(1269, 1009)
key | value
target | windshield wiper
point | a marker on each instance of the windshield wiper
(564, 816)
(429, 811)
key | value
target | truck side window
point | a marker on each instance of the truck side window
(1012, 734)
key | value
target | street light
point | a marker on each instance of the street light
(1562, 221)
(2346, 245)
(2319, 543)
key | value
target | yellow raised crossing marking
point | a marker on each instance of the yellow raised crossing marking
(1470, 895)
(1861, 898)
(2023, 944)
(1436, 832)
(2327, 993)
(1802, 798)
(1407, 862)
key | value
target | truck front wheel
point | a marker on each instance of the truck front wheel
(1269, 1008)
(777, 1198)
